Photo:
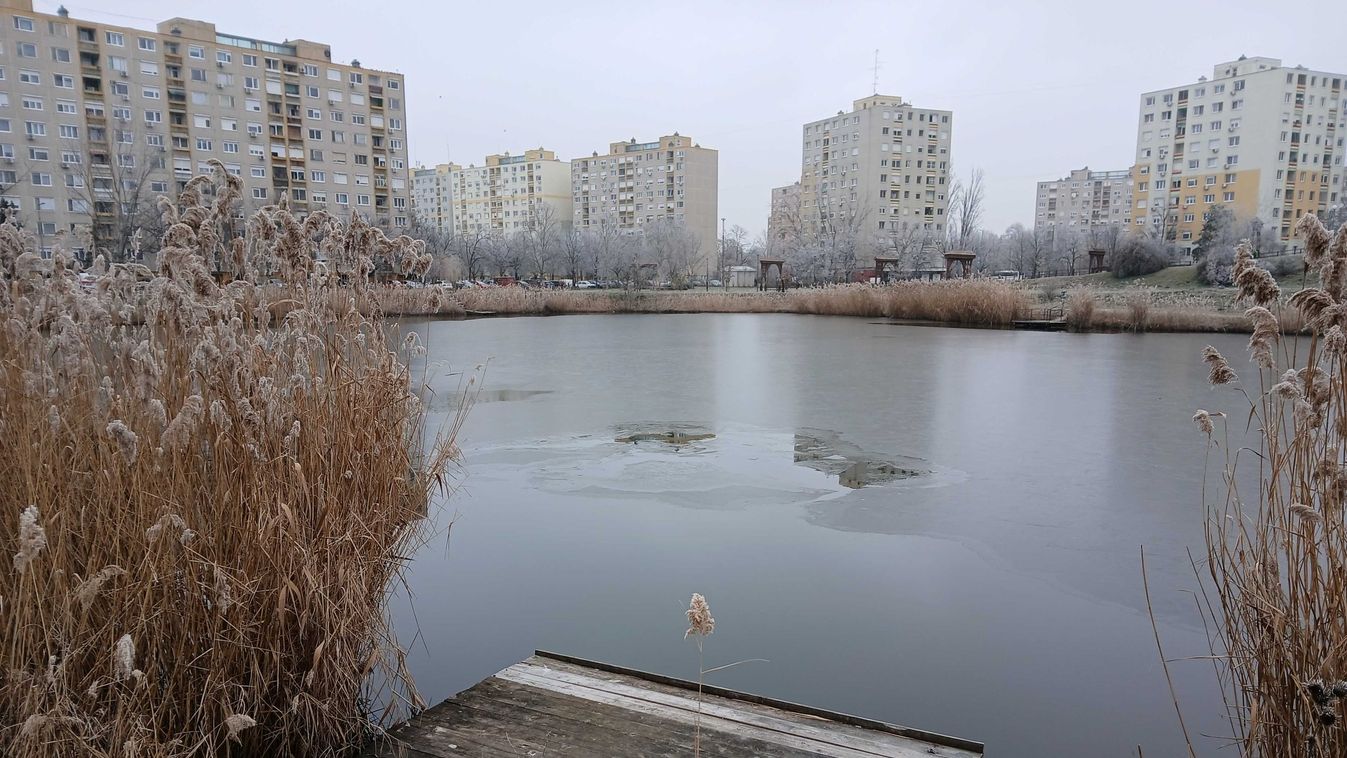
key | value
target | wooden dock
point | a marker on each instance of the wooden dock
(553, 704)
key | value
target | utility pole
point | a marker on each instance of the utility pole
(721, 265)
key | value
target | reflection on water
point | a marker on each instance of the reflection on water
(983, 579)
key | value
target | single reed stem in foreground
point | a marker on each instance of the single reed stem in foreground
(700, 625)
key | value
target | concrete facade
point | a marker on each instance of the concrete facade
(1263, 139)
(671, 179)
(89, 109)
(1085, 202)
(881, 168)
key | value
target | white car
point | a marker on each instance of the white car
(585, 284)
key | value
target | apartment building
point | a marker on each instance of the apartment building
(880, 168)
(1085, 203)
(508, 193)
(432, 198)
(785, 212)
(1263, 139)
(95, 118)
(671, 179)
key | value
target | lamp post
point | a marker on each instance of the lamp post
(721, 264)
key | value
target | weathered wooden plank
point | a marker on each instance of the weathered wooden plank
(553, 705)
(684, 685)
(750, 714)
(776, 733)
(584, 728)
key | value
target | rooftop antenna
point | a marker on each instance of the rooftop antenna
(875, 82)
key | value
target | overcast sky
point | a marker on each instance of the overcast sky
(1035, 92)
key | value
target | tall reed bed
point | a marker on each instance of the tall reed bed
(1276, 603)
(205, 511)
(976, 301)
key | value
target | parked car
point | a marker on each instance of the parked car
(585, 284)
(717, 283)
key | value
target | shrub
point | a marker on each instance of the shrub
(1138, 256)
(206, 507)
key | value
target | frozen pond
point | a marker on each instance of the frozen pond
(930, 526)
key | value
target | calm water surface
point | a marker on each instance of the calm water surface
(997, 595)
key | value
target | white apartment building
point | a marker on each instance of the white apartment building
(506, 195)
(671, 179)
(1263, 139)
(96, 117)
(1085, 203)
(432, 198)
(880, 168)
(785, 212)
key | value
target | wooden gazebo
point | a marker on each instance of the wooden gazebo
(964, 259)
(1097, 263)
(765, 268)
(885, 268)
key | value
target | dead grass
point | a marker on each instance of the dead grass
(205, 512)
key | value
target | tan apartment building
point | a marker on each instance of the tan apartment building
(509, 193)
(671, 179)
(95, 118)
(881, 168)
(1085, 203)
(1263, 139)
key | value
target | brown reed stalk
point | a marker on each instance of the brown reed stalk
(207, 489)
(1277, 554)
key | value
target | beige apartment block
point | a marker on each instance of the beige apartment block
(1263, 139)
(96, 117)
(509, 194)
(671, 179)
(881, 168)
(1085, 203)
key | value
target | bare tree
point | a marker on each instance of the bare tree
(114, 183)
(541, 239)
(965, 208)
(1028, 248)
(672, 247)
(471, 247)
(1070, 248)
(573, 251)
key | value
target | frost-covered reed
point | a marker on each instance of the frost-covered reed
(1276, 602)
(205, 504)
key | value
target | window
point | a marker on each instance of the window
(312, 91)
(159, 186)
(62, 106)
(154, 140)
(68, 131)
(272, 64)
(310, 70)
(394, 84)
(60, 55)
(251, 83)
(357, 77)
(358, 118)
(250, 60)
(32, 103)
(229, 124)
(117, 64)
(149, 68)
(35, 128)
(1209, 198)
(316, 155)
(203, 144)
(314, 113)
(318, 176)
(196, 51)
(198, 74)
(115, 38)
(1229, 197)
(259, 193)
(339, 178)
(224, 56)
(154, 117)
(342, 199)
(254, 129)
(74, 181)
(338, 116)
(252, 104)
(318, 197)
(38, 154)
(257, 172)
(41, 180)
(147, 44)
(23, 24)
(27, 50)
(30, 77)
(395, 124)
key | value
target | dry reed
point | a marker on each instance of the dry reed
(207, 510)
(1277, 554)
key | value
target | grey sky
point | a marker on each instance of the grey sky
(1036, 91)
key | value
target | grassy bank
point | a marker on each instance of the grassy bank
(976, 302)
(207, 510)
